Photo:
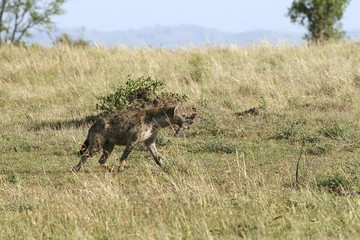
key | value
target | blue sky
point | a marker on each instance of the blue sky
(226, 15)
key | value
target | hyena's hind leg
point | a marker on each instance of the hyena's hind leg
(83, 159)
(107, 150)
(92, 148)
(84, 147)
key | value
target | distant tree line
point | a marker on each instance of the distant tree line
(66, 39)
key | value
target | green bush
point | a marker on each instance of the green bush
(336, 130)
(139, 93)
(197, 66)
(318, 149)
(211, 123)
(333, 182)
(291, 130)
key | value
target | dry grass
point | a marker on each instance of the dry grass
(230, 177)
(276, 73)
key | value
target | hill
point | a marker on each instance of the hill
(174, 36)
(180, 36)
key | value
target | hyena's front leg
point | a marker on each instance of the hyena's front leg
(152, 147)
(129, 147)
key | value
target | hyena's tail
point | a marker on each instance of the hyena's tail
(84, 147)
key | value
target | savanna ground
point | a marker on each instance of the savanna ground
(231, 176)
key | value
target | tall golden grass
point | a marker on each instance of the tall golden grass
(75, 76)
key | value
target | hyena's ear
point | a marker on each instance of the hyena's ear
(176, 109)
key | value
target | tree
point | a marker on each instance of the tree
(18, 17)
(322, 18)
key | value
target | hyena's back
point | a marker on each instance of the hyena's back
(115, 129)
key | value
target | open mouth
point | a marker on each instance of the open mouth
(179, 131)
(185, 125)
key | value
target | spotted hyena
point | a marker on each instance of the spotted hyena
(129, 129)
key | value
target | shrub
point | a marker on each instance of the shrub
(318, 149)
(333, 182)
(139, 93)
(291, 130)
(336, 130)
(66, 39)
(262, 103)
(198, 71)
(211, 123)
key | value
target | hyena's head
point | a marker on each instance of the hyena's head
(182, 120)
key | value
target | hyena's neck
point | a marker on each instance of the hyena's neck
(161, 121)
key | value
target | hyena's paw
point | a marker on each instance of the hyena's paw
(76, 168)
(121, 167)
(159, 162)
(108, 169)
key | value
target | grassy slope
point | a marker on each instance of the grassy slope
(229, 177)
